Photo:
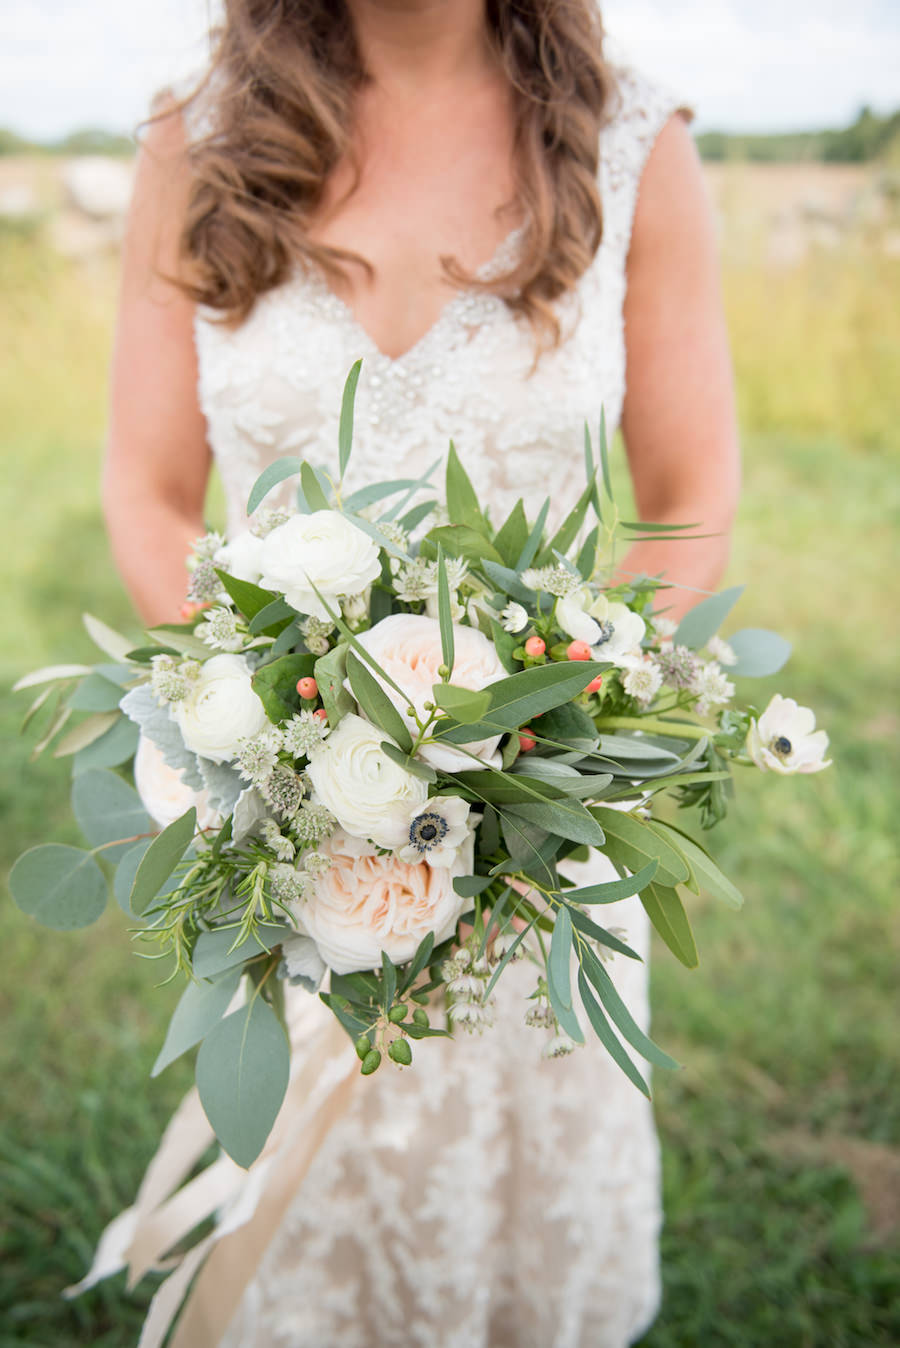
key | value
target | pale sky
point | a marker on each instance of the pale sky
(743, 64)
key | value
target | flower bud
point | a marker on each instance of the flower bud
(396, 1014)
(363, 1047)
(443, 671)
(420, 1016)
(370, 1062)
(307, 688)
(401, 1052)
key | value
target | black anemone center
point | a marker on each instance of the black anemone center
(782, 745)
(606, 631)
(426, 830)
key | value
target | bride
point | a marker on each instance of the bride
(513, 235)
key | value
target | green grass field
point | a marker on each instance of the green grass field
(782, 1133)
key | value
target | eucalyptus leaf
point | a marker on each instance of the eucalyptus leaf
(468, 886)
(51, 674)
(83, 734)
(666, 911)
(704, 620)
(608, 1037)
(559, 959)
(330, 671)
(461, 540)
(270, 477)
(611, 891)
(242, 1075)
(630, 844)
(376, 704)
(619, 1014)
(462, 500)
(463, 704)
(249, 599)
(312, 488)
(508, 581)
(759, 652)
(529, 552)
(704, 870)
(108, 810)
(512, 535)
(516, 699)
(110, 643)
(160, 860)
(568, 818)
(215, 950)
(445, 618)
(96, 693)
(345, 428)
(115, 746)
(201, 1006)
(59, 886)
(413, 765)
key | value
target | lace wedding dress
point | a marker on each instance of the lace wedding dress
(484, 1197)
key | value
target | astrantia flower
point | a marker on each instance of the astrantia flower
(258, 754)
(785, 739)
(316, 863)
(437, 830)
(316, 632)
(204, 549)
(555, 580)
(711, 687)
(559, 1047)
(264, 521)
(642, 681)
(539, 1014)
(275, 840)
(284, 790)
(514, 618)
(219, 629)
(471, 1016)
(288, 884)
(313, 822)
(664, 627)
(169, 679)
(303, 732)
(678, 666)
(721, 651)
(205, 586)
(356, 607)
(413, 583)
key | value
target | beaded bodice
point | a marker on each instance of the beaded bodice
(273, 385)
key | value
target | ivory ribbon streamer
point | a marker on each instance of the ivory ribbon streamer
(249, 1205)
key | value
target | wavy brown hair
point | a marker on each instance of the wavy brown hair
(280, 89)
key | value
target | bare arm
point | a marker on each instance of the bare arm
(157, 459)
(679, 419)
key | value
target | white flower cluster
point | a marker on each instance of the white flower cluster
(556, 580)
(221, 629)
(418, 580)
(257, 755)
(710, 686)
(303, 732)
(466, 979)
(171, 678)
(316, 632)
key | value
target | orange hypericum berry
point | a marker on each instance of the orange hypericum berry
(526, 741)
(535, 646)
(189, 610)
(595, 684)
(578, 650)
(320, 714)
(307, 688)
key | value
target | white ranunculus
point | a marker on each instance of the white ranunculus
(242, 557)
(408, 648)
(437, 830)
(323, 550)
(370, 795)
(365, 903)
(785, 739)
(220, 709)
(573, 618)
(163, 794)
(628, 630)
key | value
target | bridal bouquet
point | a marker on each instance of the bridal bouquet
(366, 755)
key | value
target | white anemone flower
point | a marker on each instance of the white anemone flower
(785, 739)
(437, 830)
(624, 640)
(573, 618)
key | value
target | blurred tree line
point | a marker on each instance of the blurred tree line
(868, 137)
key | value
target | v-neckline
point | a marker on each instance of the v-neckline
(498, 259)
